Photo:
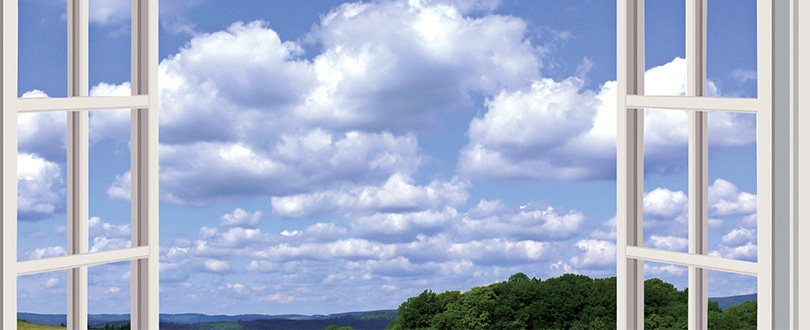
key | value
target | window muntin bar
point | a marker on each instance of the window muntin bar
(83, 103)
(81, 260)
(697, 260)
(694, 103)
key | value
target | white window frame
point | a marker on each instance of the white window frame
(783, 150)
(632, 101)
(143, 103)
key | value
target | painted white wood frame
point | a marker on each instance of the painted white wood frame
(799, 164)
(77, 143)
(144, 106)
(783, 147)
(698, 298)
(144, 167)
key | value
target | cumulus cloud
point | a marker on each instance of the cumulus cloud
(263, 122)
(672, 243)
(594, 254)
(398, 193)
(46, 252)
(40, 188)
(726, 199)
(121, 188)
(298, 163)
(577, 138)
(747, 252)
(241, 218)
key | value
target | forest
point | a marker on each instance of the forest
(566, 302)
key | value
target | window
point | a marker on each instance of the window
(630, 163)
(144, 127)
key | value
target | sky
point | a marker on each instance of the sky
(328, 156)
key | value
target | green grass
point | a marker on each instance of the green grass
(25, 325)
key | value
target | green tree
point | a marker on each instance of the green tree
(417, 312)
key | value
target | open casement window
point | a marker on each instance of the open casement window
(144, 145)
(783, 160)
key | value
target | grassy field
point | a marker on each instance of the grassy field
(25, 325)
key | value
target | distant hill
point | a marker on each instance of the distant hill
(359, 320)
(191, 318)
(725, 302)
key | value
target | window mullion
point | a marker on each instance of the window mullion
(698, 161)
(8, 175)
(77, 163)
(630, 164)
(144, 168)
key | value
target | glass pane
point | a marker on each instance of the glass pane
(665, 296)
(731, 48)
(42, 300)
(41, 184)
(110, 46)
(732, 301)
(108, 295)
(666, 161)
(42, 48)
(109, 180)
(733, 185)
(665, 48)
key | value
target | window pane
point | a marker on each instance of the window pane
(665, 48)
(110, 45)
(665, 296)
(109, 180)
(42, 299)
(733, 185)
(731, 48)
(735, 296)
(666, 173)
(42, 48)
(108, 292)
(41, 184)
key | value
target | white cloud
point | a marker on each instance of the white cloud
(47, 252)
(398, 193)
(121, 188)
(747, 252)
(360, 76)
(278, 297)
(110, 123)
(726, 199)
(577, 135)
(52, 282)
(533, 222)
(217, 266)
(671, 243)
(665, 270)
(296, 164)
(42, 133)
(241, 218)
(665, 203)
(107, 12)
(40, 188)
(403, 227)
(740, 236)
(594, 254)
(101, 243)
(100, 228)
(742, 75)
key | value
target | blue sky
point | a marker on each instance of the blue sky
(322, 156)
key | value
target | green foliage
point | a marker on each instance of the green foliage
(334, 327)
(25, 325)
(566, 302)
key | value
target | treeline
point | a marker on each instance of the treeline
(566, 302)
